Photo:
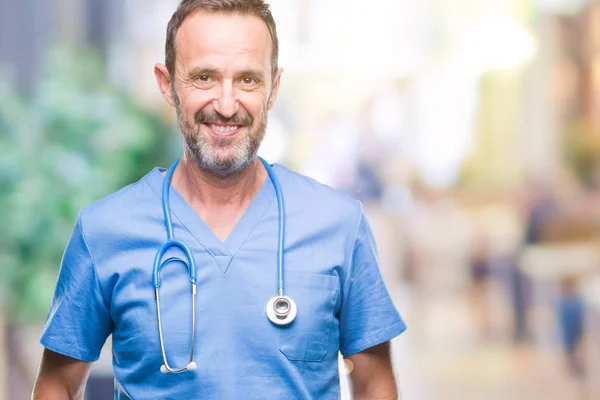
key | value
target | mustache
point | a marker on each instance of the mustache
(211, 117)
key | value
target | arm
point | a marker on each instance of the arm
(77, 326)
(60, 377)
(368, 321)
(372, 377)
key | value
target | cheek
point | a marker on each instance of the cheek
(254, 103)
(194, 101)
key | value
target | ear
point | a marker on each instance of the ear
(163, 79)
(275, 88)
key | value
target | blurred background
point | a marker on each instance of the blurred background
(470, 129)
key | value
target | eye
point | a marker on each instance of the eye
(203, 78)
(248, 80)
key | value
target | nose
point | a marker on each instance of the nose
(226, 102)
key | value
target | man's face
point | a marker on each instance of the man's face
(223, 88)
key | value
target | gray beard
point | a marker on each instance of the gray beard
(200, 147)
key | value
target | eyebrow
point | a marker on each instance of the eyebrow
(198, 71)
(251, 72)
(202, 71)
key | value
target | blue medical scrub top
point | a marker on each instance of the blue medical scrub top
(331, 271)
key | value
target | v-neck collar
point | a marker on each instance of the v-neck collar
(222, 252)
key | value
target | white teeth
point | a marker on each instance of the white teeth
(223, 129)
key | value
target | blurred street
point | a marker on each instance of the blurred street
(462, 341)
(443, 357)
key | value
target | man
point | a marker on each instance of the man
(221, 75)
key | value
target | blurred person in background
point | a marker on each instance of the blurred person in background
(480, 271)
(539, 207)
(221, 76)
(571, 324)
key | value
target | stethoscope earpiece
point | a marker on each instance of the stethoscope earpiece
(192, 366)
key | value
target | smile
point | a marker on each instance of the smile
(223, 130)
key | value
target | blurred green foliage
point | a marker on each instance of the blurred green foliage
(75, 140)
(582, 150)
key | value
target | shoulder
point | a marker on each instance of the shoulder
(119, 208)
(311, 198)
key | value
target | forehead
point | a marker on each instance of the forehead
(219, 37)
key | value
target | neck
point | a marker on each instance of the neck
(205, 191)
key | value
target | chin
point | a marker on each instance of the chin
(226, 170)
(223, 164)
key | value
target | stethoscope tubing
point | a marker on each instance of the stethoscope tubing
(281, 225)
(191, 265)
(171, 241)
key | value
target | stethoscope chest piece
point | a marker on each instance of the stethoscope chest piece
(281, 310)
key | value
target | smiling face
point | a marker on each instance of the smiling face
(222, 88)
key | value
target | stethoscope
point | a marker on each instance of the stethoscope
(281, 309)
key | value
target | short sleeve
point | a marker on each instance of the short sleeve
(79, 321)
(368, 317)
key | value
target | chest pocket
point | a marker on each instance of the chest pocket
(307, 337)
